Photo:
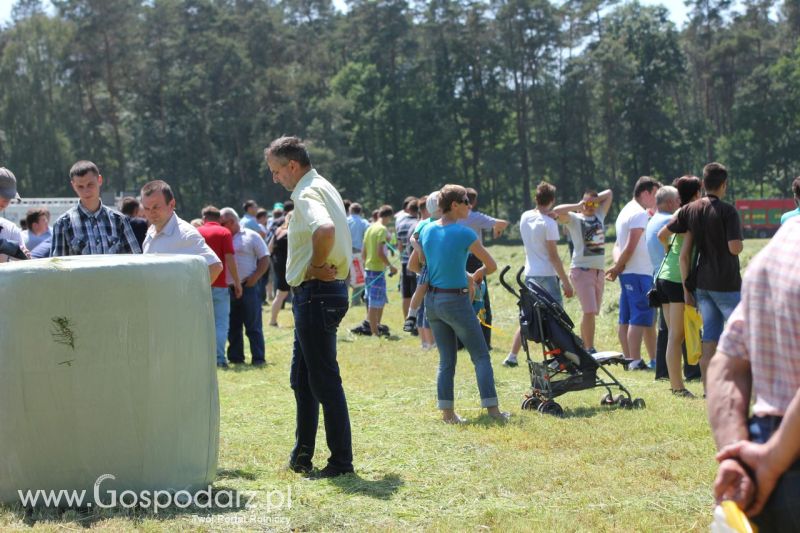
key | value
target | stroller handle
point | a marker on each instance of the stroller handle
(504, 283)
(519, 278)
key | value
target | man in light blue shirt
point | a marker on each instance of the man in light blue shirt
(478, 222)
(358, 226)
(796, 191)
(249, 220)
(667, 202)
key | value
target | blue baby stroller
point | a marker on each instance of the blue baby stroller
(566, 365)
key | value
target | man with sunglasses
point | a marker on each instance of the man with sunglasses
(585, 223)
(478, 222)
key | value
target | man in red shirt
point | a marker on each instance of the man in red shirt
(220, 240)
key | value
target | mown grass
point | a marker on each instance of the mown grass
(597, 469)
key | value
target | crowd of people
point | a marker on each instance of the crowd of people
(676, 246)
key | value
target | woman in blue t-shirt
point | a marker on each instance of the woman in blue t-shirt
(445, 247)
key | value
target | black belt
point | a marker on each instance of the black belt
(318, 283)
(435, 290)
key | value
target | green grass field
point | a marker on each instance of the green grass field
(597, 469)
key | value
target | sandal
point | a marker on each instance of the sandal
(457, 420)
(683, 393)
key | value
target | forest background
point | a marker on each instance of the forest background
(399, 97)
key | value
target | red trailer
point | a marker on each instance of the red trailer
(762, 217)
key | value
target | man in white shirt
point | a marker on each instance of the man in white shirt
(168, 234)
(539, 232)
(10, 234)
(635, 272)
(252, 261)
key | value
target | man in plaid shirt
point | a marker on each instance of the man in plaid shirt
(759, 354)
(90, 228)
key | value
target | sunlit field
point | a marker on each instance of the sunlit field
(597, 469)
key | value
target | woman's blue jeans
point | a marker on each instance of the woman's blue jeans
(452, 318)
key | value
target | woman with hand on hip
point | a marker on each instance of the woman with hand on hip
(445, 246)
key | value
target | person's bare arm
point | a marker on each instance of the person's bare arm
(561, 212)
(384, 259)
(230, 264)
(499, 227)
(214, 270)
(555, 260)
(413, 262)
(489, 265)
(735, 247)
(685, 264)
(261, 267)
(322, 243)
(770, 460)
(605, 198)
(728, 386)
(633, 239)
(664, 235)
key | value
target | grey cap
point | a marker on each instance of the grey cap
(8, 184)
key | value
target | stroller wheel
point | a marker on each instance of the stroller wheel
(638, 403)
(607, 399)
(619, 398)
(531, 403)
(551, 408)
(626, 403)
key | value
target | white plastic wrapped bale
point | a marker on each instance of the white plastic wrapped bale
(107, 366)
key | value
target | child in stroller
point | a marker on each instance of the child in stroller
(566, 365)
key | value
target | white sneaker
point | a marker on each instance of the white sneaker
(637, 364)
(510, 361)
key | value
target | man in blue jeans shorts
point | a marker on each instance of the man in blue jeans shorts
(635, 271)
(714, 228)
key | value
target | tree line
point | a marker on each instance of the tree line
(396, 97)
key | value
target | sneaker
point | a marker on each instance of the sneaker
(502, 416)
(652, 364)
(222, 365)
(361, 330)
(683, 393)
(410, 324)
(591, 351)
(510, 361)
(637, 364)
(329, 472)
(300, 468)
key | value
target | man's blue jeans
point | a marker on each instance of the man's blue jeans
(318, 309)
(246, 311)
(781, 512)
(452, 319)
(222, 310)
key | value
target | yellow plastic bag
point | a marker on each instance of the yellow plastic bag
(728, 518)
(692, 324)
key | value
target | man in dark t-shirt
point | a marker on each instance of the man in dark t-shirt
(714, 228)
